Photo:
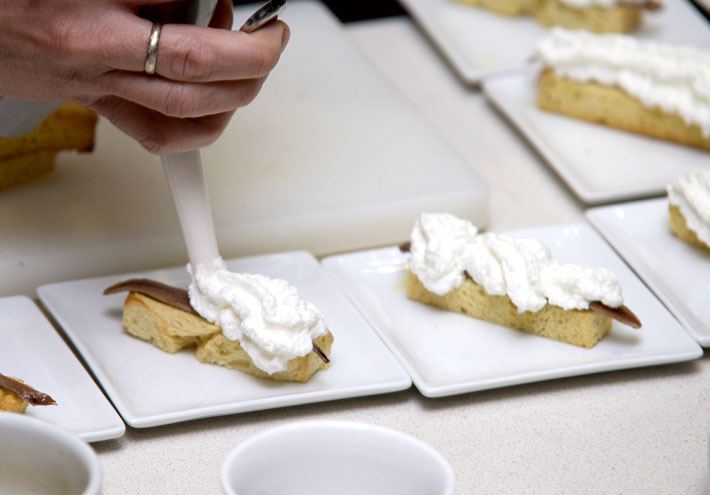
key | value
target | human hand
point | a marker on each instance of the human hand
(93, 53)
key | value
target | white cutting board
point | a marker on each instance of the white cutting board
(328, 158)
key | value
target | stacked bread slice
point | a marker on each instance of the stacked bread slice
(583, 328)
(591, 15)
(658, 90)
(32, 156)
(162, 315)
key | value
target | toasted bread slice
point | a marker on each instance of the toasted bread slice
(22, 169)
(614, 107)
(584, 328)
(172, 329)
(164, 326)
(11, 402)
(599, 19)
(219, 350)
(612, 19)
(30, 157)
(507, 7)
(70, 127)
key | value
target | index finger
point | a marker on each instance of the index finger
(196, 54)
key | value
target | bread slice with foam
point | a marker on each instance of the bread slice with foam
(173, 329)
(613, 107)
(617, 17)
(584, 328)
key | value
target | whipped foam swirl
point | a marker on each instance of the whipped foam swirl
(440, 244)
(267, 316)
(445, 247)
(691, 195)
(675, 79)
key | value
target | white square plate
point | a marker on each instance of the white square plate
(33, 351)
(676, 271)
(447, 353)
(480, 43)
(150, 387)
(600, 164)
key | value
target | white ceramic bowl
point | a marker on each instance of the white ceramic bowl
(335, 457)
(39, 458)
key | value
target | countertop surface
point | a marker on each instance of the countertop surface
(639, 431)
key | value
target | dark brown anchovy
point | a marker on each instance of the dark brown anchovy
(172, 296)
(623, 314)
(25, 392)
(319, 352)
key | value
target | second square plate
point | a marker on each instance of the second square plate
(150, 387)
(32, 351)
(678, 272)
(479, 43)
(447, 353)
(599, 164)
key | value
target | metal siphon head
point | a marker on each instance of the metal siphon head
(264, 15)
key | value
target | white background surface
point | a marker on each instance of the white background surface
(32, 351)
(678, 272)
(479, 43)
(328, 157)
(151, 387)
(599, 163)
(636, 431)
(448, 353)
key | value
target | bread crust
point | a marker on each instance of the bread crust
(680, 228)
(614, 107)
(582, 328)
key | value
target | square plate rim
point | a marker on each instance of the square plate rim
(96, 435)
(468, 74)
(589, 196)
(644, 272)
(150, 421)
(439, 391)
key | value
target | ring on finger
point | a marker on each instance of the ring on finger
(151, 58)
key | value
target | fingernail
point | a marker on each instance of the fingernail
(285, 37)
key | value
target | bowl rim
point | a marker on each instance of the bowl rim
(50, 432)
(435, 455)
